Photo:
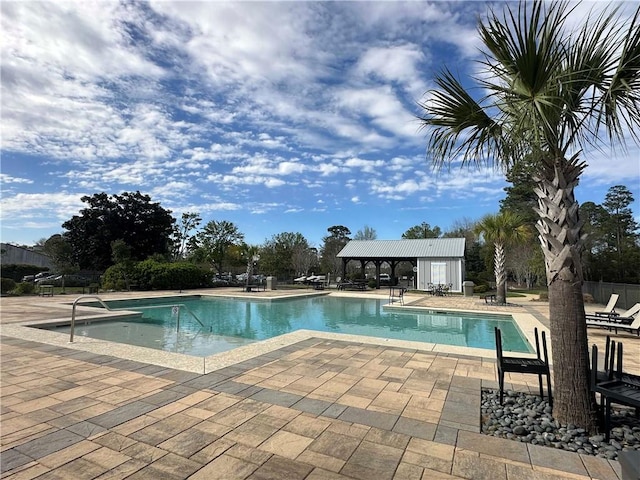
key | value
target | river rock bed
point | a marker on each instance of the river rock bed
(527, 418)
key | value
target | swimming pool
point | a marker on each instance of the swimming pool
(203, 326)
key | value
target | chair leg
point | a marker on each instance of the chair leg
(501, 385)
(607, 419)
(540, 384)
(549, 390)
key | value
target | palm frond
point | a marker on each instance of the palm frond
(460, 125)
(621, 102)
(548, 89)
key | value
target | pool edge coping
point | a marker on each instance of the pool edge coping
(203, 365)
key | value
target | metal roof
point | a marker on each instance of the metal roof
(419, 248)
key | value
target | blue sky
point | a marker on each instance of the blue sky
(277, 116)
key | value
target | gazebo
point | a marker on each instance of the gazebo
(434, 260)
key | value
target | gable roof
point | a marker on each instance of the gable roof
(418, 248)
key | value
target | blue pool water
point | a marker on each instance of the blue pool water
(225, 324)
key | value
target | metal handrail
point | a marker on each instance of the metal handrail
(179, 305)
(95, 297)
(73, 312)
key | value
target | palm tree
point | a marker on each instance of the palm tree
(548, 92)
(502, 229)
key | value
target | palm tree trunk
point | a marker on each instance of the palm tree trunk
(501, 275)
(560, 235)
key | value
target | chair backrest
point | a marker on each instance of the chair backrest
(498, 345)
(632, 312)
(612, 362)
(613, 299)
(542, 354)
(544, 346)
(594, 365)
(539, 352)
(635, 324)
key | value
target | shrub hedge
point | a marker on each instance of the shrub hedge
(6, 285)
(24, 288)
(154, 275)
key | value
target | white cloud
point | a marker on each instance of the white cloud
(33, 206)
(4, 178)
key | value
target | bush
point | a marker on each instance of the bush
(6, 285)
(544, 296)
(24, 288)
(114, 278)
(372, 283)
(480, 288)
(153, 275)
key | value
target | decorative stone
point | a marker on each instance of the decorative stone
(529, 419)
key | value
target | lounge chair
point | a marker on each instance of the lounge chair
(611, 306)
(624, 317)
(626, 321)
(536, 366)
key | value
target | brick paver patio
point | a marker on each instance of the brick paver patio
(316, 409)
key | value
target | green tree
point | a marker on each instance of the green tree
(548, 90)
(423, 230)
(622, 225)
(331, 245)
(525, 261)
(367, 233)
(123, 260)
(182, 233)
(145, 226)
(213, 244)
(473, 258)
(595, 243)
(60, 252)
(502, 230)
(520, 195)
(287, 254)
(611, 252)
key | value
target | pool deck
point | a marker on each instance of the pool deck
(309, 406)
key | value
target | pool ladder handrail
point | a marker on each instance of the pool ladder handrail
(95, 297)
(179, 305)
(73, 312)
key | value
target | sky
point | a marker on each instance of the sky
(276, 116)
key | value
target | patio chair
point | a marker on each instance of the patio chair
(626, 321)
(609, 365)
(618, 387)
(610, 308)
(535, 366)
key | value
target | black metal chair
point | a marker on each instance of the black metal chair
(535, 366)
(609, 362)
(616, 387)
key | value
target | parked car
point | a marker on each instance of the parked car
(28, 278)
(69, 281)
(46, 280)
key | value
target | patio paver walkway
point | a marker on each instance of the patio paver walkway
(320, 409)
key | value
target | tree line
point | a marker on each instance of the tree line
(123, 229)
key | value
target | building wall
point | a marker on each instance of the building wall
(451, 272)
(23, 256)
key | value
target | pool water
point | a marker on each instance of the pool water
(224, 324)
